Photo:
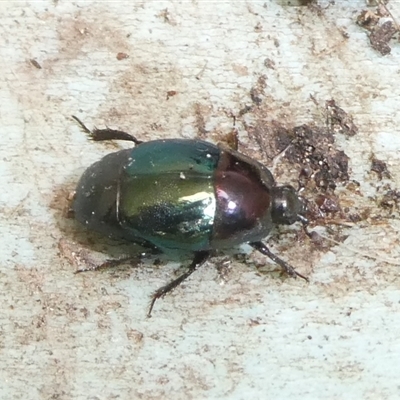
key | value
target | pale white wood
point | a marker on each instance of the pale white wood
(255, 337)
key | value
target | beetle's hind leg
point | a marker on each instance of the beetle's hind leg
(150, 249)
(200, 257)
(111, 263)
(99, 135)
(263, 249)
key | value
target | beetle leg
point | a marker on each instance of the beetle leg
(200, 257)
(263, 249)
(99, 135)
(109, 263)
(305, 223)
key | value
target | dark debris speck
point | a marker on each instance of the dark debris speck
(380, 168)
(313, 148)
(338, 120)
(381, 36)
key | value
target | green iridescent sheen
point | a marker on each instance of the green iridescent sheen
(166, 193)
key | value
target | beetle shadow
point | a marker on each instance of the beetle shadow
(81, 247)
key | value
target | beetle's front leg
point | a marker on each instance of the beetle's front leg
(263, 249)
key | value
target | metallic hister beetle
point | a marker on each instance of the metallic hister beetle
(188, 195)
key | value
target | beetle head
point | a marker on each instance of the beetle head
(287, 206)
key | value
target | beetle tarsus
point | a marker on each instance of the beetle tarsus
(99, 135)
(200, 258)
(82, 125)
(263, 249)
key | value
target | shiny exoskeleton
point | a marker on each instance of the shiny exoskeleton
(187, 195)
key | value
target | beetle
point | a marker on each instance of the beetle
(186, 195)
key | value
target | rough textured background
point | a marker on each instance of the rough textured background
(85, 336)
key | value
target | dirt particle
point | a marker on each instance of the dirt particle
(380, 168)
(381, 29)
(135, 335)
(171, 93)
(166, 16)
(338, 120)
(381, 36)
(269, 63)
(368, 19)
(271, 136)
(122, 56)
(35, 63)
(327, 204)
(390, 200)
(200, 120)
(313, 148)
